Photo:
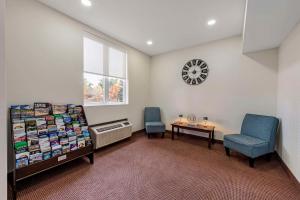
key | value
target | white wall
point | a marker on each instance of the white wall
(268, 22)
(236, 84)
(45, 63)
(3, 143)
(289, 101)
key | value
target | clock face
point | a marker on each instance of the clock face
(194, 72)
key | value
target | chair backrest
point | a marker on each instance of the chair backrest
(152, 114)
(260, 126)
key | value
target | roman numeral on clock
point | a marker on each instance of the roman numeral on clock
(194, 72)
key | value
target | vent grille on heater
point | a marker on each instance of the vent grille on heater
(99, 130)
(110, 132)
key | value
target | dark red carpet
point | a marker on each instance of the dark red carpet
(162, 169)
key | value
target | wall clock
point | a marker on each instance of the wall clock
(194, 72)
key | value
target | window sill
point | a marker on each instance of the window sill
(109, 104)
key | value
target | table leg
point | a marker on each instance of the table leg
(209, 140)
(177, 131)
(213, 137)
(172, 132)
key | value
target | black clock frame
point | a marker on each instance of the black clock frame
(202, 75)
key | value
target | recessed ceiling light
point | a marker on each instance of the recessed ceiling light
(211, 22)
(87, 3)
(149, 42)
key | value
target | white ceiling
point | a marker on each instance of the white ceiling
(171, 24)
(268, 22)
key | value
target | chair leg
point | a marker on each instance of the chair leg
(251, 162)
(148, 135)
(227, 151)
(268, 157)
(163, 135)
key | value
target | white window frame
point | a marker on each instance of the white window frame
(106, 45)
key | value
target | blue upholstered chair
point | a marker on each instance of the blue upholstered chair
(257, 137)
(153, 123)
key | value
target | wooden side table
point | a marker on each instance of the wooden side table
(210, 130)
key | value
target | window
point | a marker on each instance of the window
(105, 73)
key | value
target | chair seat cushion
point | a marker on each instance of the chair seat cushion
(155, 127)
(247, 145)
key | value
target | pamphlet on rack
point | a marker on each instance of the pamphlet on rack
(42, 131)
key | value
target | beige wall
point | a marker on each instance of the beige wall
(45, 63)
(289, 101)
(3, 143)
(236, 84)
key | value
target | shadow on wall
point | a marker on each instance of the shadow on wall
(10, 152)
(278, 147)
(267, 58)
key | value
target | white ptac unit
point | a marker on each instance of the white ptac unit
(107, 133)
